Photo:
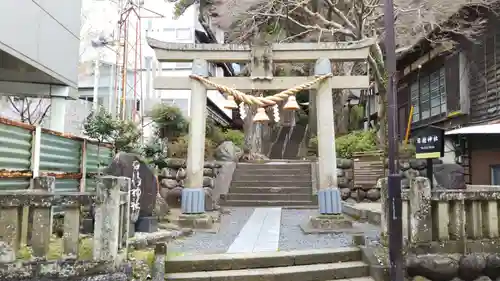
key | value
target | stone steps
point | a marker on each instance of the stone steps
(271, 183)
(305, 265)
(268, 203)
(277, 176)
(270, 190)
(269, 197)
(275, 183)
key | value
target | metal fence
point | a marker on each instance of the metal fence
(28, 151)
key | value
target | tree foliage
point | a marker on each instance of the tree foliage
(122, 134)
(338, 20)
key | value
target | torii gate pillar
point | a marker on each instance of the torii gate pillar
(328, 194)
(193, 195)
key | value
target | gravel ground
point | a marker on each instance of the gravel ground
(212, 243)
(293, 238)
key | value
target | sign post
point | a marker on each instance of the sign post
(429, 145)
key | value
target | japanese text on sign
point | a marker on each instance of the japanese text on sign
(429, 139)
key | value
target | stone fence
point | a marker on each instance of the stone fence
(444, 220)
(29, 251)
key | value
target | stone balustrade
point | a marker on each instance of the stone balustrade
(447, 220)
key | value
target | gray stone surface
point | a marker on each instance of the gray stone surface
(261, 233)
(209, 243)
(291, 235)
(293, 238)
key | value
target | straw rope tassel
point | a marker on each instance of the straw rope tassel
(261, 101)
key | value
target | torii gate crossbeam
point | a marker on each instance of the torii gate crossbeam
(261, 59)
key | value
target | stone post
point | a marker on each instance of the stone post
(328, 194)
(107, 217)
(41, 223)
(420, 210)
(384, 200)
(160, 255)
(193, 195)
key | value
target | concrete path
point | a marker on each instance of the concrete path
(261, 233)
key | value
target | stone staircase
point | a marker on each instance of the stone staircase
(284, 184)
(342, 264)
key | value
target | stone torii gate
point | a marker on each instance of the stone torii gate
(261, 59)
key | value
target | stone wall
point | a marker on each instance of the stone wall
(172, 180)
(456, 267)
(412, 168)
(349, 192)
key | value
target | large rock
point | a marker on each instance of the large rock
(418, 164)
(449, 176)
(345, 193)
(122, 166)
(228, 151)
(373, 194)
(471, 266)
(432, 267)
(344, 163)
(493, 266)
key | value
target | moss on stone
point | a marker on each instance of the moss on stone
(85, 250)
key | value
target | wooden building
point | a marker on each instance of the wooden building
(457, 89)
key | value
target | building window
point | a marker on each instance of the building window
(428, 95)
(495, 174)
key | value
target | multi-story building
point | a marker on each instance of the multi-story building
(188, 28)
(39, 54)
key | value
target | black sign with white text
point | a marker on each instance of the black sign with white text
(429, 143)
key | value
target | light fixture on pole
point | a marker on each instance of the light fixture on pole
(261, 115)
(291, 104)
(230, 103)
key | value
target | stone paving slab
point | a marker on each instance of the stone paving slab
(260, 234)
(364, 211)
(312, 272)
(261, 260)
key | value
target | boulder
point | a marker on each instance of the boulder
(208, 182)
(174, 197)
(471, 266)
(483, 278)
(181, 174)
(340, 173)
(449, 176)
(176, 163)
(209, 172)
(432, 267)
(418, 164)
(344, 163)
(345, 193)
(373, 194)
(492, 266)
(228, 151)
(168, 173)
(410, 174)
(404, 165)
(168, 183)
(343, 182)
(358, 195)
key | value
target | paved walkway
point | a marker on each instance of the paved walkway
(261, 233)
(377, 207)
